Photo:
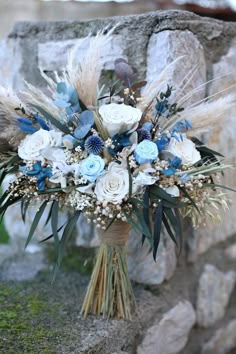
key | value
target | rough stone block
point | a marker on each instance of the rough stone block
(230, 252)
(141, 265)
(170, 335)
(166, 46)
(213, 295)
(53, 55)
(222, 138)
(223, 341)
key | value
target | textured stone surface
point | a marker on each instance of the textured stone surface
(222, 138)
(170, 335)
(54, 55)
(165, 47)
(213, 295)
(223, 341)
(230, 252)
(11, 61)
(141, 265)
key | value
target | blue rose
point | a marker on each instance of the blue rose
(92, 167)
(146, 152)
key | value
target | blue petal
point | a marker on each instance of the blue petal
(148, 126)
(28, 129)
(24, 120)
(42, 122)
(169, 171)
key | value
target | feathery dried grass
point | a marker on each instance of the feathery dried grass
(34, 96)
(84, 76)
(10, 137)
(152, 88)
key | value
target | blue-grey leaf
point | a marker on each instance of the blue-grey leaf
(61, 87)
(62, 104)
(86, 118)
(82, 131)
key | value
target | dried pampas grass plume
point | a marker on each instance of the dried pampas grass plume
(10, 136)
(84, 76)
(34, 96)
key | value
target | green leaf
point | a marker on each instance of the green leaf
(175, 222)
(168, 228)
(130, 178)
(208, 151)
(146, 211)
(62, 127)
(157, 229)
(35, 222)
(66, 235)
(162, 194)
(213, 185)
(145, 230)
(183, 190)
(179, 230)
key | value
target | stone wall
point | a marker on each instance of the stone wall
(188, 305)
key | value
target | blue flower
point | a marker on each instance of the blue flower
(162, 143)
(119, 141)
(173, 166)
(182, 126)
(146, 152)
(176, 162)
(92, 167)
(94, 144)
(41, 173)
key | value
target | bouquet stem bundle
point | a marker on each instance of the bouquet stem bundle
(110, 292)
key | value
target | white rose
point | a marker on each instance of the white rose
(118, 118)
(113, 186)
(32, 146)
(185, 149)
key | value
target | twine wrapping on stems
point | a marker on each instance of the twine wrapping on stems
(116, 235)
(110, 292)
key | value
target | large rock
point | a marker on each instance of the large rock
(230, 252)
(53, 55)
(222, 138)
(170, 335)
(141, 266)
(213, 295)
(223, 341)
(165, 47)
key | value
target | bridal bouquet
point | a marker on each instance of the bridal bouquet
(125, 155)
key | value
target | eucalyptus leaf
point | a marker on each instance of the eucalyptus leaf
(157, 229)
(35, 222)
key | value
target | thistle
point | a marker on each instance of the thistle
(143, 134)
(94, 144)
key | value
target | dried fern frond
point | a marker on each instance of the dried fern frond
(84, 76)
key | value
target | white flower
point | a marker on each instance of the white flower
(59, 172)
(33, 145)
(54, 154)
(185, 149)
(144, 179)
(113, 186)
(173, 191)
(118, 118)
